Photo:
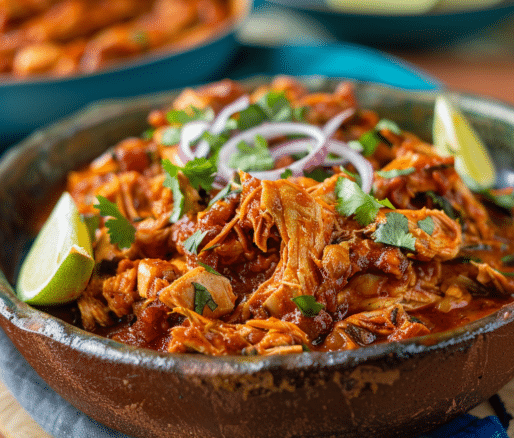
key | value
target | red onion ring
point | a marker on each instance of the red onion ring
(347, 154)
(193, 130)
(271, 130)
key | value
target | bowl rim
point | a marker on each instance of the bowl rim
(432, 14)
(160, 54)
(15, 312)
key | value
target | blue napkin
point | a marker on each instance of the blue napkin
(61, 420)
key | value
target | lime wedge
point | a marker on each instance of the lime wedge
(60, 261)
(453, 135)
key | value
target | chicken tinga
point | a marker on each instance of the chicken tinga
(281, 221)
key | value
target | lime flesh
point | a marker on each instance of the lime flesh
(453, 135)
(60, 261)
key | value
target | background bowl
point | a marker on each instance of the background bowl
(400, 31)
(32, 103)
(395, 389)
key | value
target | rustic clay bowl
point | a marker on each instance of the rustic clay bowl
(396, 389)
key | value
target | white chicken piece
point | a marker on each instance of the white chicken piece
(181, 293)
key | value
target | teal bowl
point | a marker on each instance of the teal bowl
(29, 104)
(401, 31)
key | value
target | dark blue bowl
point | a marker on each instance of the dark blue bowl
(402, 31)
(26, 105)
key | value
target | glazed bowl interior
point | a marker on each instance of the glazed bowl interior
(31, 175)
(28, 104)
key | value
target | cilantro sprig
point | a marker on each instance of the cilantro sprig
(274, 106)
(353, 201)
(369, 141)
(192, 243)
(256, 157)
(393, 173)
(308, 305)
(203, 298)
(171, 181)
(395, 231)
(181, 117)
(121, 231)
(223, 193)
(427, 225)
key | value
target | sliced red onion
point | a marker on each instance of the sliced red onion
(335, 122)
(272, 130)
(189, 133)
(195, 129)
(346, 154)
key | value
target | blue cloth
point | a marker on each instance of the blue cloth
(62, 420)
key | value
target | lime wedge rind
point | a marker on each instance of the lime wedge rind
(59, 263)
(454, 135)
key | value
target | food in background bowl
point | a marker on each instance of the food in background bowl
(280, 221)
(62, 38)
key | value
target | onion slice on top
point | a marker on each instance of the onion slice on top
(193, 130)
(273, 130)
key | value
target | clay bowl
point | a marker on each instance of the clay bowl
(396, 389)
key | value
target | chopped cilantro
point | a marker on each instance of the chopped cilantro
(395, 231)
(308, 305)
(369, 140)
(203, 298)
(318, 174)
(388, 124)
(200, 172)
(351, 200)
(393, 173)
(223, 193)
(171, 181)
(170, 136)
(441, 203)
(192, 243)
(427, 225)
(355, 176)
(273, 106)
(508, 260)
(181, 117)
(121, 231)
(208, 268)
(286, 174)
(505, 201)
(148, 134)
(254, 158)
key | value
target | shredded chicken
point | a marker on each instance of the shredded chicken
(274, 267)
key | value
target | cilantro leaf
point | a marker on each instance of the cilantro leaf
(355, 176)
(427, 225)
(171, 181)
(208, 268)
(308, 305)
(441, 203)
(200, 172)
(351, 200)
(508, 260)
(370, 140)
(192, 243)
(254, 158)
(223, 193)
(395, 232)
(286, 174)
(393, 173)
(203, 298)
(121, 231)
(181, 117)
(318, 174)
(505, 201)
(250, 117)
(388, 124)
(170, 136)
